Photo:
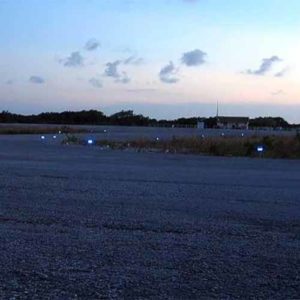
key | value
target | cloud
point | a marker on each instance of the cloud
(113, 72)
(9, 82)
(91, 45)
(95, 82)
(266, 65)
(74, 60)
(282, 73)
(112, 69)
(167, 73)
(133, 60)
(37, 79)
(277, 93)
(123, 78)
(141, 90)
(193, 58)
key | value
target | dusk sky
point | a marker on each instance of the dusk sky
(162, 58)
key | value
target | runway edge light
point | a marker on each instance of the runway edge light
(90, 142)
(260, 149)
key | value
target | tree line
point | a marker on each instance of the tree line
(127, 118)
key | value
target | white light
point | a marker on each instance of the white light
(42, 137)
(222, 134)
(260, 148)
(104, 130)
(54, 136)
(59, 132)
(90, 142)
(157, 139)
(242, 134)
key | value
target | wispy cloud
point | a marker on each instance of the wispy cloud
(282, 73)
(74, 60)
(277, 93)
(168, 73)
(112, 69)
(140, 90)
(95, 82)
(91, 45)
(133, 60)
(9, 82)
(266, 66)
(193, 58)
(113, 72)
(36, 79)
(124, 78)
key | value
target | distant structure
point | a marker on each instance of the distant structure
(201, 124)
(223, 122)
(232, 122)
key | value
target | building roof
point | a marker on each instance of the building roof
(233, 119)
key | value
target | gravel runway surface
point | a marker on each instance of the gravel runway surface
(80, 223)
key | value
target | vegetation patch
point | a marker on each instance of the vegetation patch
(129, 118)
(39, 130)
(273, 146)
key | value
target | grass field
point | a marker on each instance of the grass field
(38, 129)
(273, 146)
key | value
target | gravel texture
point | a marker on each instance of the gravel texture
(80, 223)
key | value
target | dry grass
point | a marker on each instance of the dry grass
(38, 130)
(275, 146)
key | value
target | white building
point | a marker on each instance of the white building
(200, 124)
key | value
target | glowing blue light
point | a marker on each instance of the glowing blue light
(90, 142)
(157, 139)
(42, 137)
(260, 149)
(54, 136)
